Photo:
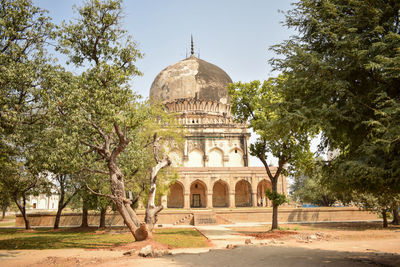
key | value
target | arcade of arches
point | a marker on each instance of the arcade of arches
(224, 192)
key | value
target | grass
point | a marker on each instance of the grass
(91, 238)
(180, 238)
(9, 220)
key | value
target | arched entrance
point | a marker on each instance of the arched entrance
(243, 194)
(220, 194)
(262, 200)
(175, 196)
(198, 197)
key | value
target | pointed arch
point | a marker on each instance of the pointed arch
(198, 196)
(175, 197)
(243, 194)
(262, 200)
(220, 195)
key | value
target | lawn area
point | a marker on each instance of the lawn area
(180, 238)
(92, 238)
(8, 221)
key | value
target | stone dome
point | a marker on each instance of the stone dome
(191, 78)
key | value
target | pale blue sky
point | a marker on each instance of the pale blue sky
(232, 34)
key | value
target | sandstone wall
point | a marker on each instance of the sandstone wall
(226, 216)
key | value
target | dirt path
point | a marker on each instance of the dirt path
(309, 245)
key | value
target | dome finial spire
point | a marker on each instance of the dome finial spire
(191, 47)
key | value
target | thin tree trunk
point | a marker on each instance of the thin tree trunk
(396, 217)
(103, 218)
(22, 209)
(59, 209)
(84, 223)
(4, 214)
(384, 217)
(152, 210)
(274, 206)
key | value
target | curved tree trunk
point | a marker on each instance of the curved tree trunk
(22, 209)
(152, 210)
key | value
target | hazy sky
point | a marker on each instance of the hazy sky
(232, 34)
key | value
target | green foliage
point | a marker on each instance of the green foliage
(310, 186)
(276, 198)
(279, 130)
(342, 74)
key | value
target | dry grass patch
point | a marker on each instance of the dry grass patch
(92, 238)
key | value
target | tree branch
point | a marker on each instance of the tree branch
(110, 197)
(96, 171)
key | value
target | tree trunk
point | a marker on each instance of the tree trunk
(4, 214)
(84, 223)
(152, 210)
(274, 205)
(139, 231)
(22, 209)
(59, 209)
(102, 218)
(396, 217)
(384, 217)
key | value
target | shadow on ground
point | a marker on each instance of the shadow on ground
(284, 256)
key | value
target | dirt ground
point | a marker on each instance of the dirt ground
(352, 244)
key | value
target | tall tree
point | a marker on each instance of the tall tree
(342, 72)
(278, 132)
(24, 84)
(108, 118)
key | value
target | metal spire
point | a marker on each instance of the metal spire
(192, 49)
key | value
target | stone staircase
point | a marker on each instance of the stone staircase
(184, 220)
(204, 218)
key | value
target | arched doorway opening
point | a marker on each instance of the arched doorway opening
(262, 200)
(198, 198)
(243, 194)
(175, 196)
(220, 194)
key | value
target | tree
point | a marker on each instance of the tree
(343, 76)
(278, 131)
(24, 84)
(310, 187)
(106, 116)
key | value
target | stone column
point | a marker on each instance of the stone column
(186, 201)
(232, 200)
(209, 199)
(254, 199)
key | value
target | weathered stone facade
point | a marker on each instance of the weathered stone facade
(214, 163)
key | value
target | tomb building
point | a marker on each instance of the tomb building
(213, 166)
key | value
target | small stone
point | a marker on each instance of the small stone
(229, 246)
(128, 253)
(248, 241)
(313, 237)
(146, 251)
(160, 253)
